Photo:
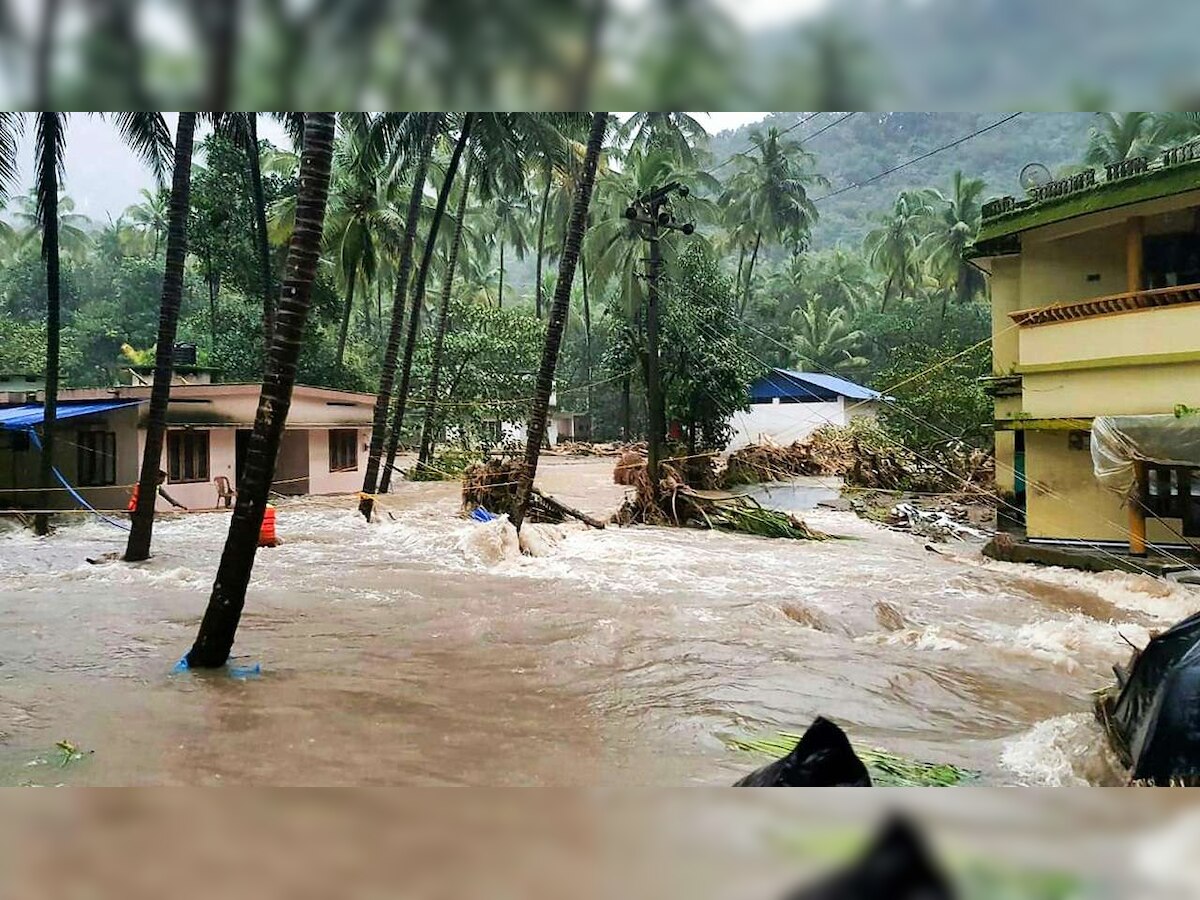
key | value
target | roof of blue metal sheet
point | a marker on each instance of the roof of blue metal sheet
(811, 386)
(18, 418)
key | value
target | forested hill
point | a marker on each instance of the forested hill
(870, 142)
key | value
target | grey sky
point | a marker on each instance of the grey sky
(103, 177)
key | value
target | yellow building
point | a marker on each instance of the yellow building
(1095, 284)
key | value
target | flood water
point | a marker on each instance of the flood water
(425, 649)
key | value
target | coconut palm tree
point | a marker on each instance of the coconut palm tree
(953, 223)
(150, 217)
(147, 135)
(428, 439)
(219, 625)
(1170, 128)
(1119, 136)
(679, 133)
(427, 125)
(769, 192)
(892, 247)
(360, 211)
(536, 432)
(825, 341)
(74, 239)
(418, 303)
(510, 228)
(138, 546)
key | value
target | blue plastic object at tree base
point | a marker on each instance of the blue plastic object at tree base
(479, 514)
(241, 673)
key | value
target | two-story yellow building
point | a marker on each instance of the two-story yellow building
(1095, 284)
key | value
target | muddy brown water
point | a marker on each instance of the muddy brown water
(423, 649)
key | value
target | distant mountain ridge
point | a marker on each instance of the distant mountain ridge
(870, 142)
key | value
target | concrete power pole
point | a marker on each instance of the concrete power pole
(652, 210)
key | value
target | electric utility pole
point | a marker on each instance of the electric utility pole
(653, 210)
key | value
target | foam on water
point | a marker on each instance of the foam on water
(1062, 641)
(1065, 751)
(929, 637)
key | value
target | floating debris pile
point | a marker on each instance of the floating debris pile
(492, 485)
(865, 456)
(675, 501)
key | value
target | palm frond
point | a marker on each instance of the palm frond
(147, 135)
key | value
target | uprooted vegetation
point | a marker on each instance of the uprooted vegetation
(492, 485)
(865, 456)
(678, 500)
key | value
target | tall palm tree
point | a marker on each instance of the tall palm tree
(1119, 136)
(511, 229)
(428, 438)
(146, 133)
(418, 303)
(360, 210)
(769, 192)
(142, 526)
(74, 238)
(953, 223)
(825, 340)
(1170, 128)
(242, 130)
(892, 247)
(429, 124)
(679, 133)
(536, 431)
(49, 151)
(219, 625)
(150, 217)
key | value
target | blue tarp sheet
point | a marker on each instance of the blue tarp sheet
(19, 418)
(807, 387)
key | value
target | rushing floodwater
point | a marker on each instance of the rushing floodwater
(424, 649)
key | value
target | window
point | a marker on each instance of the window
(96, 458)
(187, 456)
(343, 449)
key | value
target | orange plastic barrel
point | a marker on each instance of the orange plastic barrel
(266, 534)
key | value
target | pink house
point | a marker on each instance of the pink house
(101, 436)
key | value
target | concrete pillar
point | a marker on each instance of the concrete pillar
(1133, 254)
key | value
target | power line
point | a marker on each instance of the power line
(727, 339)
(917, 159)
(789, 130)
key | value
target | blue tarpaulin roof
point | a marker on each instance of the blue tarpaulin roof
(19, 418)
(807, 387)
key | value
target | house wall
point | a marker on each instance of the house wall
(1066, 502)
(1134, 363)
(196, 494)
(784, 423)
(1057, 270)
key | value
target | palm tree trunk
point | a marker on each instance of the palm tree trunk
(750, 275)
(341, 346)
(418, 306)
(541, 245)
(587, 331)
(741, 262)
(50, 137)
(428, 439)
(387, 377)
(536, 431)
(259, 199)
(626, 407)
(219, 626)
(500, 291)
(138, 546)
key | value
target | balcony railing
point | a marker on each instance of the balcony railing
(1103, 306)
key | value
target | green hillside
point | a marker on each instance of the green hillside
(870, 142)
